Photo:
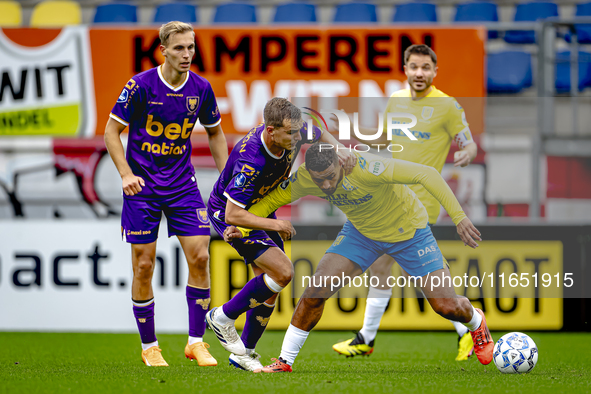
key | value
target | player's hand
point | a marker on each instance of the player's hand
(468, 233)
(347, 160)
(231, 233)
(286, 230)
(461, 158)
(132, 184)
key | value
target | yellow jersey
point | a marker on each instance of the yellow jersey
(439, 119)
(374, 197)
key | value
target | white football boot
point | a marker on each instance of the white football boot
(226, 334)
(248, 362)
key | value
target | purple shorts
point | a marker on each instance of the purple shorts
(185, 213)
(251, 247)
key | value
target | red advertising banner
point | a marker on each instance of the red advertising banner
(246, 67)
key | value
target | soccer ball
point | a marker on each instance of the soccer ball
(515, 353)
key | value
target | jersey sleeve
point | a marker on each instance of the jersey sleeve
(209, 113)
(129, 104)
(406, 172)
(456, 122)
(241, 187)
(312, 136)
(287, 192)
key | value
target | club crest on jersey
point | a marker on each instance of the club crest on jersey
(123, 96)
(348, 185)
(240, 180)
(192, 103)
(427, 113)
(202, 215)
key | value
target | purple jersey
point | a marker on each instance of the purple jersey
(252, 171)
(161, 119)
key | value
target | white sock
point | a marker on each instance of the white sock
(375, 306)
(292, 343)
(193, 340)
(475, 322)
(146, 346)
(249, 352)
(220, 317)
(460, 328)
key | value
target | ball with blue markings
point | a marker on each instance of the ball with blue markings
(515, 353)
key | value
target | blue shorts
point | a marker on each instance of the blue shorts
(251, 247)
(418, 256)
(185, 213)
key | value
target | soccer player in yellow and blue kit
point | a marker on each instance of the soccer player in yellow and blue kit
(384, 217)
(440, 119)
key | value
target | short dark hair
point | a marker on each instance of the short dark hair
(420, 49)
(320, 156)
(278, 109)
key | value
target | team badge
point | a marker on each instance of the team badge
(202, 215)
(192, 103)
(427, 113)
(348, 185)
(240, 180)
(123, 96)
(263, 320)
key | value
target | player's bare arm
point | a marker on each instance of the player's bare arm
(238, 216)
(131, 184)
(465, 156)
(217, 145)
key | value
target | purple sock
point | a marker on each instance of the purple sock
(254, 293)
(144, 317)
(198, 301)
(256, 322)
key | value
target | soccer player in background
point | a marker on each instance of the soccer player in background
(257, 164)
(383, 217)
(440, 120)
(161, 106)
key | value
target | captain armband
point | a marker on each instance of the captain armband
(464, 138)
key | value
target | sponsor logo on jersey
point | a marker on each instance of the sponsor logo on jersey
(123, 96)
(192, 103)
(247, 170)
(240, 180)
(427, 113)
(202, 215)
(377, 167)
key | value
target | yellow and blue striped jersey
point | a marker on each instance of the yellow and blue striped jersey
(439, 120)
(374, 197)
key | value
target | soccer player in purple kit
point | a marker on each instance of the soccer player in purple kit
(260, 162)
(160, 106)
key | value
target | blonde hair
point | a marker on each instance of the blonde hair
(174, 27)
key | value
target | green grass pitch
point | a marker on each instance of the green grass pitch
(402, 362)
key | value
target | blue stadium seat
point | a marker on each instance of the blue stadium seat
(481, 11)
(356, 12)
(235, 13)
(415, 12)
(530, 12)
(563, 71)
(115, 13)
(509, 72)
(295, 12)
(583, 30)
(183, 12)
